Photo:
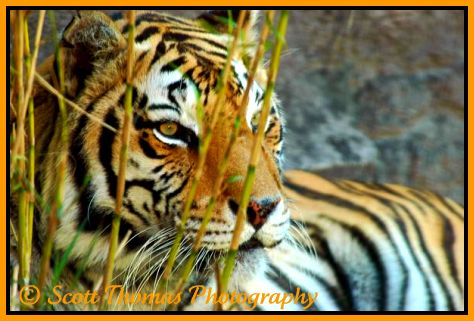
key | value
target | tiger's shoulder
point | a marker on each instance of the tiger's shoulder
(311, 191)
(398, 235)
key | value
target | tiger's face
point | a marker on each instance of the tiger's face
(165, 146)
(177, 65)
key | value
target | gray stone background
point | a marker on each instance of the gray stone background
(372, 95)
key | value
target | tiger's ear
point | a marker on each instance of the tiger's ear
(224, 21)
(90, 40)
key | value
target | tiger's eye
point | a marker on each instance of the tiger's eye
(169, 128)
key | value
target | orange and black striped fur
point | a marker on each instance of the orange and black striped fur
(362, 247)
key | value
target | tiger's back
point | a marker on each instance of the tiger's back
(378, 247)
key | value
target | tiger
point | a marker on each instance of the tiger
(359, 246)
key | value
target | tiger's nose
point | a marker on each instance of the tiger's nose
(257, 211)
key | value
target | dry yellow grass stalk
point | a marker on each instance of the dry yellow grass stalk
(57, 206)
(219, 182)
(256, 148)
(205, 141)
(18, 151)
(127, 123)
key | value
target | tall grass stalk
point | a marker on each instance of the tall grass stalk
(18, 55)
(31, 60)
(217, 271)
(18, 152)
(203, 148)
(57, 208)
(14, 301)
(255, 154)
(219, 182)
(31, 67)
(127, 123)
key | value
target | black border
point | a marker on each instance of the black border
(465, 312)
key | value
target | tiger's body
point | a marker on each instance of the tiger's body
(369, 247)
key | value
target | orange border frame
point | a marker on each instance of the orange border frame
(204, 3)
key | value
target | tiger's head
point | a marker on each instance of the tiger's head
(176, 63)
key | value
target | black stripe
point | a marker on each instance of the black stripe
(174, 64)
(223, 17)
(286, 284)
(164, 107)
(343, 290)
(259, 97)
(189, 75)
(135, 241)
(425, 200)
(106, 143)
(174, 193)
(139, 122)
(189, 29)
(142, 55)
(404, 283)
(270, 127)
(143, 102)
(387, 203)
(154, 17)
(422, 243)
(206, 93)
(337, 201)
(165, 177)
(432, 207)
(148, 17)
(148, 150)
(401, 225)
(449, 206)
(375, 258)
(158, 168)
(116, 16)
(121, 100)
(177, 85)
(80, 169)
(147, 184)
(185, 47)
(390, 190)
(131, 209)
(240, 86)
(209, 62)
(449, 239)
(93, 217)
(180, 37)
(156, 194)
(125, 28)
(160, 51)
(348, 188)
(147, 33)
(343, 295)
(178, 20)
